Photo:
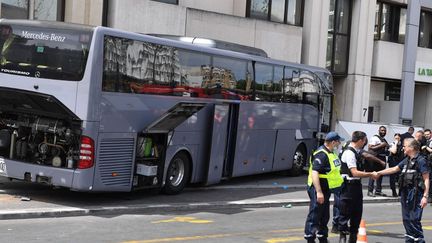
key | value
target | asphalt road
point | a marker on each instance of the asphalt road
(268, 225)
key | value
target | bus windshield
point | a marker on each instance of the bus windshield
(44, 52)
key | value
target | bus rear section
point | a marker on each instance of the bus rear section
(41, 129)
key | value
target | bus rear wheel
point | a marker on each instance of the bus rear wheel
(299, 162)
(177, 174)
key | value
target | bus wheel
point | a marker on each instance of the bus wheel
(299, 162)
(177, 174)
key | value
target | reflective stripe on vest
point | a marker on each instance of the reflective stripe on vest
(334, 178)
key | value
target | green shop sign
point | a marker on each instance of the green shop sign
(423, 72)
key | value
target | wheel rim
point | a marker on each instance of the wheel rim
(298, 159)
(176, 172)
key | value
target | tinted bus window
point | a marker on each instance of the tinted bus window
(293, 85)
(235, 77)
(44, 53)
(263, 82)
(139, 67)
(310, 87)
(278, 83)
(196, 73)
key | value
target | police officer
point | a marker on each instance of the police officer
(365, 156)
(351, 198)
(413, 189)
(324, 176)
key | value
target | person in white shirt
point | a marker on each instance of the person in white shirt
(351, 198)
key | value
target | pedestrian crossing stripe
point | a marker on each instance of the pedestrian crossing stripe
(427, 227)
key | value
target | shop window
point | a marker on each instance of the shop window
(41, 9)
(338, 37)
(390, 22)
(167, 1)
(425, 32)
(281, 11)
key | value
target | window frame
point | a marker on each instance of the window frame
(269, 14)
(334, 33)
(60, 13)
(395, 25)
(429, 46)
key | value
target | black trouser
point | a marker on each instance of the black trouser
(351, 207)
(393, 177)
(378, 184)
(318, 216)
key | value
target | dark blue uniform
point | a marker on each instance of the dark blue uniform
(318, 213)
(411, 195)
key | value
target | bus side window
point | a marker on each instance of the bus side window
(233, 78)
(310, 88)
(263, 82)
(292, 85)
(278, 82)
(195, 73)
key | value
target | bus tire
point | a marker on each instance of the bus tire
(177, 174)
(299, 162)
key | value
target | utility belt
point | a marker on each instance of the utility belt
(352, 182)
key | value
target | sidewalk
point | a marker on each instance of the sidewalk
(21, 200)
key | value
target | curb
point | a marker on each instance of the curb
(143, 209)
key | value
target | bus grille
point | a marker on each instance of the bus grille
(115, 161)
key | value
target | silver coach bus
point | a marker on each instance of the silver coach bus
(99, 109)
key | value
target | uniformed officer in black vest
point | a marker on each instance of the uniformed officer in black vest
(414, 189)
(351, 198)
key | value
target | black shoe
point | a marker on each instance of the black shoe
(310, 240)
(380, 194)
(323, 240)
(342, 238)
(371, 194)
(335, 229)
(394, 194)
(353, 238)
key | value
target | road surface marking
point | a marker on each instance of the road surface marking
(191, 220)
(281, 240)
(254, 233)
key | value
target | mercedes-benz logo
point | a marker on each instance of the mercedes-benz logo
(37, 74)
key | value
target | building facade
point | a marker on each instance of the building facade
(360, 41)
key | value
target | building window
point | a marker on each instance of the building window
(338, 36)
(425, 33)
(281, 11)
(390, 22)
(41, 9)
(167, 1)
(14, 9)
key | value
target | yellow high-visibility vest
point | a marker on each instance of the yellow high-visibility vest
(334, 178)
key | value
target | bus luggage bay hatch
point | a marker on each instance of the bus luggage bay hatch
(99, 109)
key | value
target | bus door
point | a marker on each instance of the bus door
(153, 141)
(233, 118)
(218, 145)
